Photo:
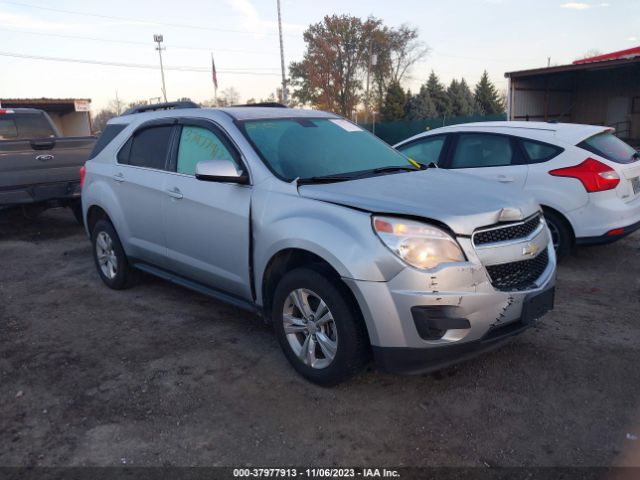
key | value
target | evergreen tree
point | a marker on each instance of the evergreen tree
(420, 106)
(438, 95)
(487, 97)
(461, 99)
(394, 103)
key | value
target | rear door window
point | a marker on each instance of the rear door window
(24, 126)
(147, 148)
(476, 150)
(424, 150)
(8, 129)
(540, 152)
(199, 144)
(610, 147)
(33, 125)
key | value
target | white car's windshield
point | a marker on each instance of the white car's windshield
(311, 148)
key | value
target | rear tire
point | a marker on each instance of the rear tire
(560, 234)
(325, 339)
(109, 257)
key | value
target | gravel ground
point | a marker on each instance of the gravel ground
(159, 375)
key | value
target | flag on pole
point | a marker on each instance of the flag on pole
(214, 76)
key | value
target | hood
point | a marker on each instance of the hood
(461, 201)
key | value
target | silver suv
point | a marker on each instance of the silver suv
(347, 246)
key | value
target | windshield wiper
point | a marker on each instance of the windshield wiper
(399, 169)
(323, 179)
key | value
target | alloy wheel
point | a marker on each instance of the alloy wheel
(310, 328)
(106, 255)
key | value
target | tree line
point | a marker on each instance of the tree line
(350, 62)
(435, 100)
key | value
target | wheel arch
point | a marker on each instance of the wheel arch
(291, 258)
(562, 217)
(96, 213)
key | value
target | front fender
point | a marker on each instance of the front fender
(341, 236)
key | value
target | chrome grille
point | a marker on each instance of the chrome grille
(518, 275)
(508, 232)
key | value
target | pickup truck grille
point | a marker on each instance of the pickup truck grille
(518, 275)
(509, 232)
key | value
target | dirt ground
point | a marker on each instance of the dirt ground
(159, 375)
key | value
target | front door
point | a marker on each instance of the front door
(491, 156)
(206, 224)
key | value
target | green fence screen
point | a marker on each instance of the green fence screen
(393, 132)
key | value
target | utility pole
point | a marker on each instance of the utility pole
(371, 62)
(366, 95)
(118, 108)
(285, 94)
(159, 39)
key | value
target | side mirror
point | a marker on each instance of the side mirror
(220, 171)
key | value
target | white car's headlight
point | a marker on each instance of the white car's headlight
(419, 244)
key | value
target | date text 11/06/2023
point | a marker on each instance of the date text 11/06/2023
(316, 472)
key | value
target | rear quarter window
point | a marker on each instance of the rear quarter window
(109, 133)
(538, 152)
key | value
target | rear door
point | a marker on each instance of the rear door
(488, 155)
(138, 180)
(206, 224)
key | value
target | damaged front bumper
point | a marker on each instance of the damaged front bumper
(423, 321)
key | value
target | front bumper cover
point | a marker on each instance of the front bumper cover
(424, 360)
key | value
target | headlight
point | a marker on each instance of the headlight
(418, 244)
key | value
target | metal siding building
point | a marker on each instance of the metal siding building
(71, 116)
(604, 90)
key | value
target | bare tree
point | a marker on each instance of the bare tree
(406, 49)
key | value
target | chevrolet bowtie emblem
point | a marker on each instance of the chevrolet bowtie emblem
(530, 250)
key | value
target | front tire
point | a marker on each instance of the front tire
(110, 259)
(560, 234)
(318, 326)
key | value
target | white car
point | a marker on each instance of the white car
(585, 178)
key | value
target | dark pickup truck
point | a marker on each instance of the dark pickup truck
(39, 169)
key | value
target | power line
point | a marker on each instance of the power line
(126, 19)
(180, 68)
(132, 42)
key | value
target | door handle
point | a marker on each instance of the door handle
(118, 177)
(175, 193)
(505, 179)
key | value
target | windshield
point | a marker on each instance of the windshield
(610, 147)
(308, 148)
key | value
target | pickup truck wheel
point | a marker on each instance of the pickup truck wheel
(108, 254)
(318, 327)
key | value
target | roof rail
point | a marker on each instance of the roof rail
(262, 104)
(161, 106)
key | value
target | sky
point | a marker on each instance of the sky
(465, 37)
